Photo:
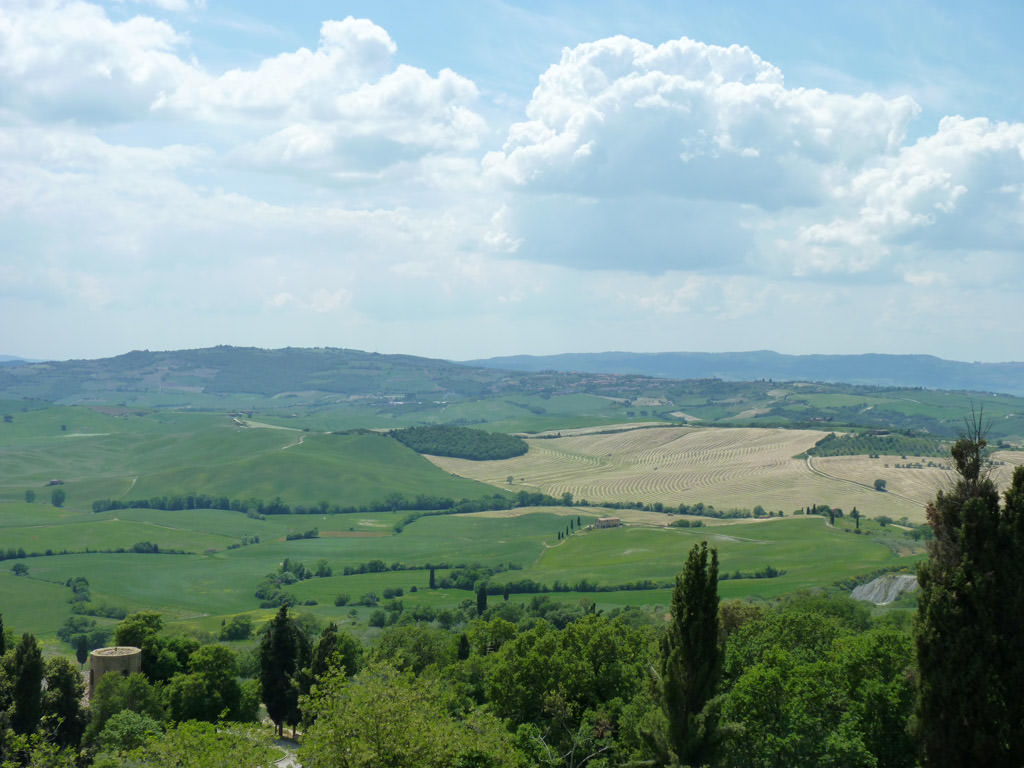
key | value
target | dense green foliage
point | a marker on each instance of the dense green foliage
(461, 442)
(197, 745)
(809, 686)
(388, 717)
(970, 630)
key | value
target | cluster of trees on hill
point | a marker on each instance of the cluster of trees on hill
(850, 444)
(461, 442)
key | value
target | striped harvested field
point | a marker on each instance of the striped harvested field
(917, 484)
(724, 467)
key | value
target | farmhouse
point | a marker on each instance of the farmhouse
(608, 522)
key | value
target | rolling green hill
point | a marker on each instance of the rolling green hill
(122, 455)
(339, 389)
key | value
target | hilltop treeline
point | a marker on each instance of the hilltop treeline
(874, 445)
(460, 442)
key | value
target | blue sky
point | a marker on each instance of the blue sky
(482, 178)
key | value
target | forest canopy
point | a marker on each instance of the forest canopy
(461, 442)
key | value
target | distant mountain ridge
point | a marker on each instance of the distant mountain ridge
(866, 369)
(226, 376)
(14, 360)
(331, 389)
(226, 370)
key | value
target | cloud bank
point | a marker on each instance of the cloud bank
(650, 195)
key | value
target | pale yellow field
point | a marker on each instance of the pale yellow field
(918, 485)
(724, 467)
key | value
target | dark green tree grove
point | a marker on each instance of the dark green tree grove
(334, 651)
(970, 628)
(807, 684)
(209, 691)
(117, 693)
(63, 720)
(161, 657)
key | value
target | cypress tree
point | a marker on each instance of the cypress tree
(433, 581)
(463, 649)
(691, 658)
(481, 599)
(324, 653)
(970, 626)
(283, 653)
(26, 673)
(3, 636)
(81, 649)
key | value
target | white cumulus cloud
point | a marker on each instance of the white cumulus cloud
(69, 61)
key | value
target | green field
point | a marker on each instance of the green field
(811, 554)
(200, 590)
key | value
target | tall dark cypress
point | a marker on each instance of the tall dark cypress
(26, 671)
(284, 651)
(970, 625)
(691, 657)
(481, 598)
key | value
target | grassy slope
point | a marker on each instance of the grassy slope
(157, 453)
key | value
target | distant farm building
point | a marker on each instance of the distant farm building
(125, 659)
(608, 522)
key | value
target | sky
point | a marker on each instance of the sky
(481, 178)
